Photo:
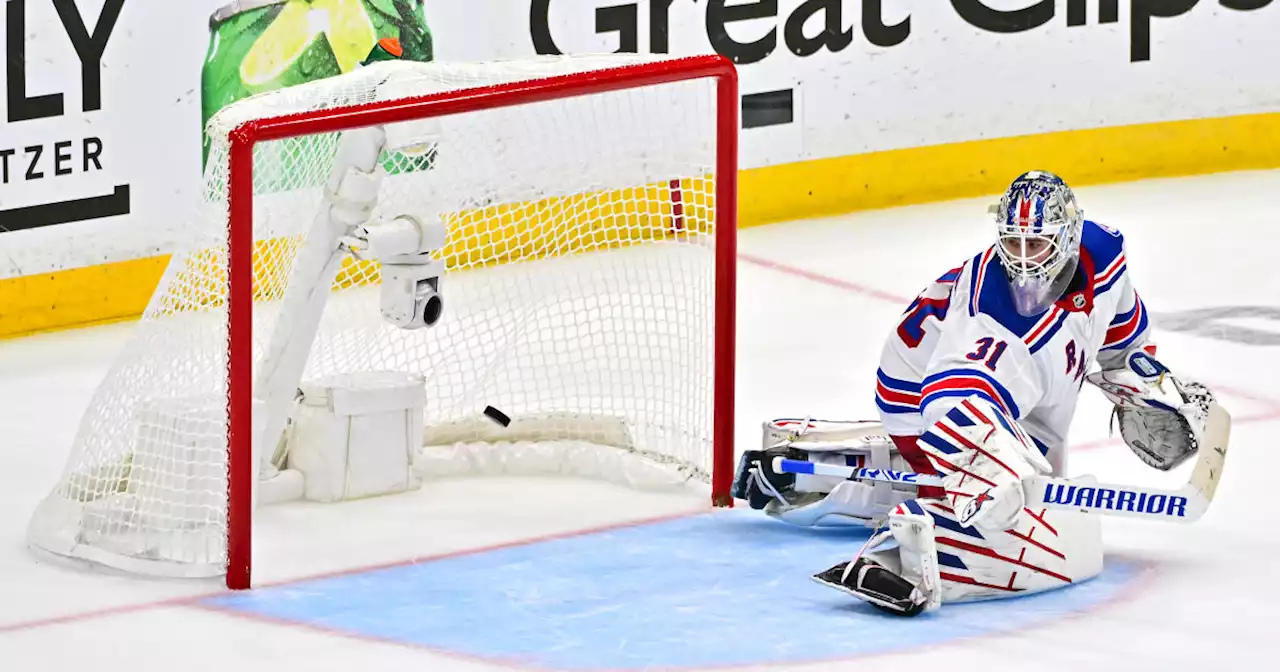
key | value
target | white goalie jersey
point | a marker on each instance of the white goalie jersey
(962, 337)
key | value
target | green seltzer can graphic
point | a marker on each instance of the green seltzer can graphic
(265, 45)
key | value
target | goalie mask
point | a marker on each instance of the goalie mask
(1038, 224)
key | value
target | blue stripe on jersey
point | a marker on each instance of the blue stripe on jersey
(1047, 336)
(897, 385)
(1124, 317)
(951, 275)
(1044, 448)
(975, 271)
(894, 409)
(939, 443)
(962, 394)
(948, 524)
(949, 560)
(957, 416)
(914, 507)
(1142, 327)
(1114, 279)
(966, 373)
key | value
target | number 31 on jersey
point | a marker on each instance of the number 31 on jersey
(988, 351)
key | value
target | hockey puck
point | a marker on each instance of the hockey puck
(497, 416)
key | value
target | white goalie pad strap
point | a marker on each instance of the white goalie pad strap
(913, 529)
(849, 503)
(831, 433)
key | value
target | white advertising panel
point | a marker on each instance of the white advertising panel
(100, 146)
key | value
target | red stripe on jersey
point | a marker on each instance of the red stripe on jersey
(1124, 330)
(981, 275)
(897, 397)
(1045, 322)
(1111, 270)
(963, 382)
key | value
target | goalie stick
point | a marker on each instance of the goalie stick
(1083, 494)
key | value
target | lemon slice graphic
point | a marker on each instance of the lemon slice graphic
(350, 34)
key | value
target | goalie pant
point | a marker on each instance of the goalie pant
(1045, 550)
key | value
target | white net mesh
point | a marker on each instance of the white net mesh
(579, 295)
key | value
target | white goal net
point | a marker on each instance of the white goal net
(584, 275)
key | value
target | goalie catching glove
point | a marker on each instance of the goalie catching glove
(1162, 418)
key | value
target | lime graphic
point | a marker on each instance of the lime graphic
(343, 23)
(268, 45)
(351, 34)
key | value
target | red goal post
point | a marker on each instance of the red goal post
(241, 244)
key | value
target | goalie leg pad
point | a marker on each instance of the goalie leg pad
(850, 503)
(1046, 550)
(807, 500)
(781, 496)
(902, 580)
(939, 561)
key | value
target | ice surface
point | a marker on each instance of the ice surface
(490, 574)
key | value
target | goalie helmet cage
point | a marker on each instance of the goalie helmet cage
(648, 204)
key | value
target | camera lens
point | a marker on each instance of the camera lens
(431, 311)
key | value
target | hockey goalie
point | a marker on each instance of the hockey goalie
(978, 384)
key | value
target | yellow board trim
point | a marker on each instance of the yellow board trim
(119, 291)
(966, 169)
(78, 297)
